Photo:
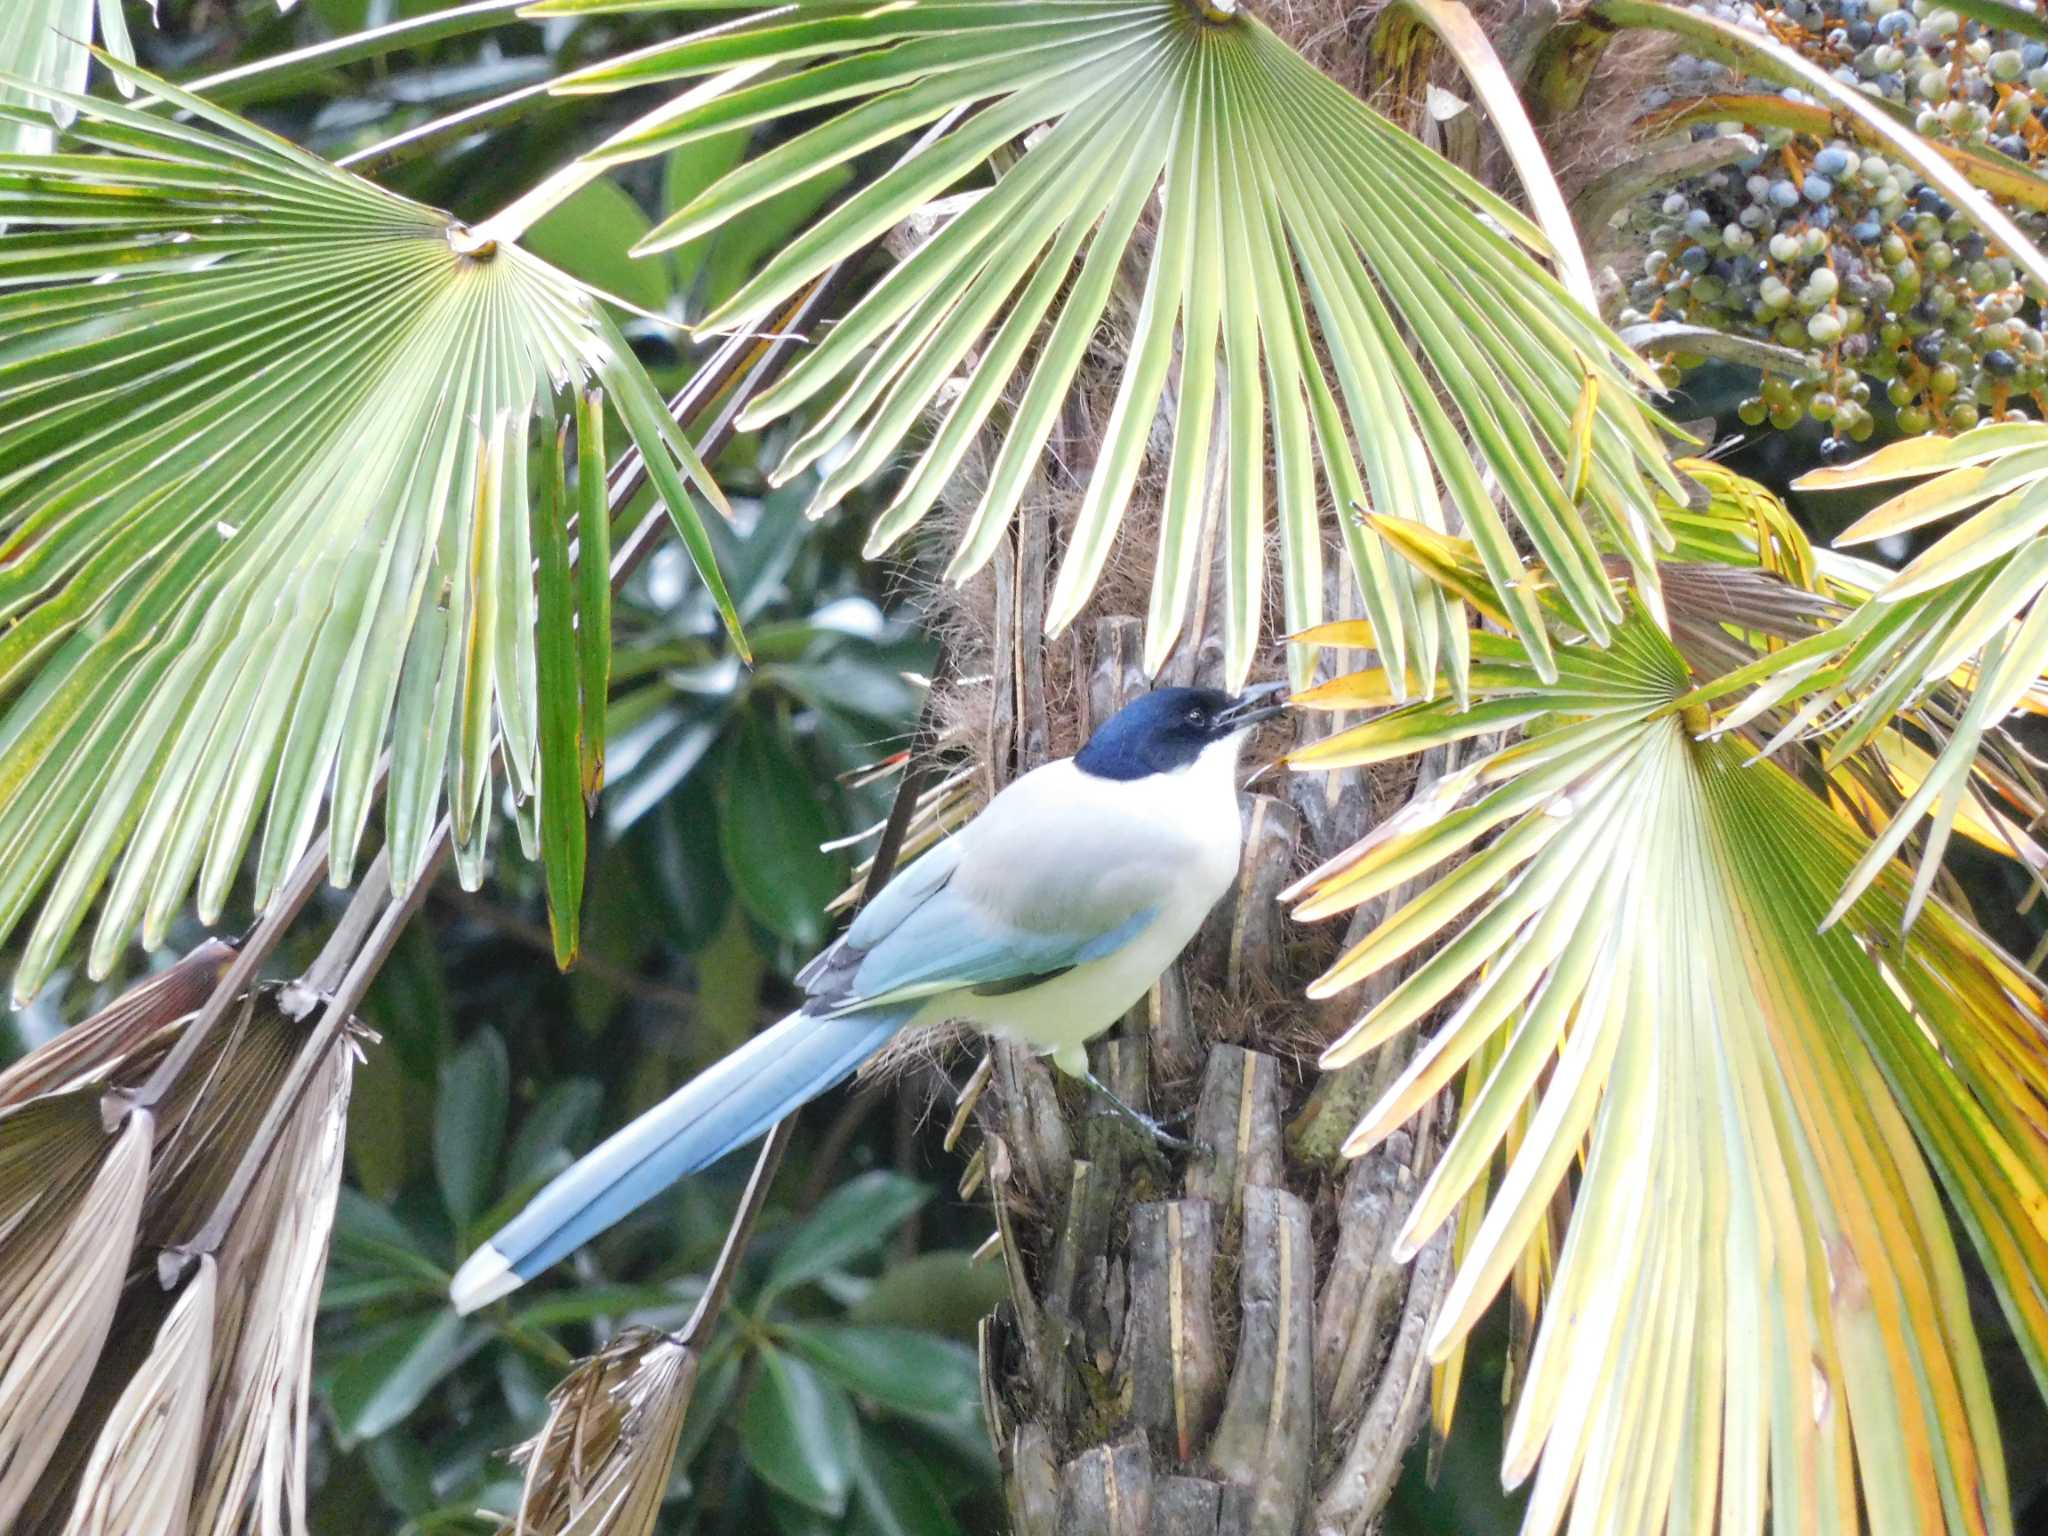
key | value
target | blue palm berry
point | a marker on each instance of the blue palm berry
(1784, 195)
(1818, 189)
(1831, 161)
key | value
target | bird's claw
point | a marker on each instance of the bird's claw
(1155, 1129)
(1163, 1137)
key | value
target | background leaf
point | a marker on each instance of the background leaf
(469, 1123)
(799, 1430)
(855, 1219)
(899, 1368)
(771, 826)
(384, 1379)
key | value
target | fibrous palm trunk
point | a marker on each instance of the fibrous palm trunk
(1216, 1342)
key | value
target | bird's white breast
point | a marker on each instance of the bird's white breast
(1064, 851)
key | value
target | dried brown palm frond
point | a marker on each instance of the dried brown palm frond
(71, 1197)
(245, 1175)
(156, 1351)
(600, 1465)
(138, 1479)
(271, 1265)
(121, 1028)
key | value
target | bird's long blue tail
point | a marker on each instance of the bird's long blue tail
(725, 1107)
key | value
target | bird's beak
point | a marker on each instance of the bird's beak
(1250, 707)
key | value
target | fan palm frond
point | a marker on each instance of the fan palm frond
(1644, 993)
(1290, 295)
(263, 454)
(1951, 645)
(46, 42)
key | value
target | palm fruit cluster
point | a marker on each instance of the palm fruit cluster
(1843, 252)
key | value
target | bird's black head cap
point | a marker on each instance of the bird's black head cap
(1166, 729)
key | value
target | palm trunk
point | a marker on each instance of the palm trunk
(1219, 1342)
(1215, 1342)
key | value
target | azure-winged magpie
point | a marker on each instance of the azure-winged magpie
(1043, 920)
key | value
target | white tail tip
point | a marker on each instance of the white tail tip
(484, 1277)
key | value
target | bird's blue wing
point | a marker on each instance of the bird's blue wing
(828, 978)
(944, 943)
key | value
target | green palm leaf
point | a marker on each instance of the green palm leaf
(44, 41)
(1643, 980)
(263, 508)
(1951, 645)
(1316, 281)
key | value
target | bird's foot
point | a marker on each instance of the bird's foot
(1151, 1127)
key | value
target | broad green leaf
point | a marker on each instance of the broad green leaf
(690, 169)
(378, 1384)
(899, 1368)
(382, 1147)
(469, 1124)
(732, 254)
(367, 1235)
(589, 237)
(798, 1431)
(943, 1292)
(894, 1494)
(854, 1220)
(771, 826)
(565, 1117)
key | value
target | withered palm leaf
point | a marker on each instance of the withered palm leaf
(187, 1405)
(89, 1049)
(271, 1257)
(138, 1480)
(600, 1465)
(71, 1197)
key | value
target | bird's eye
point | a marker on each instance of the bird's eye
(1197, 716)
